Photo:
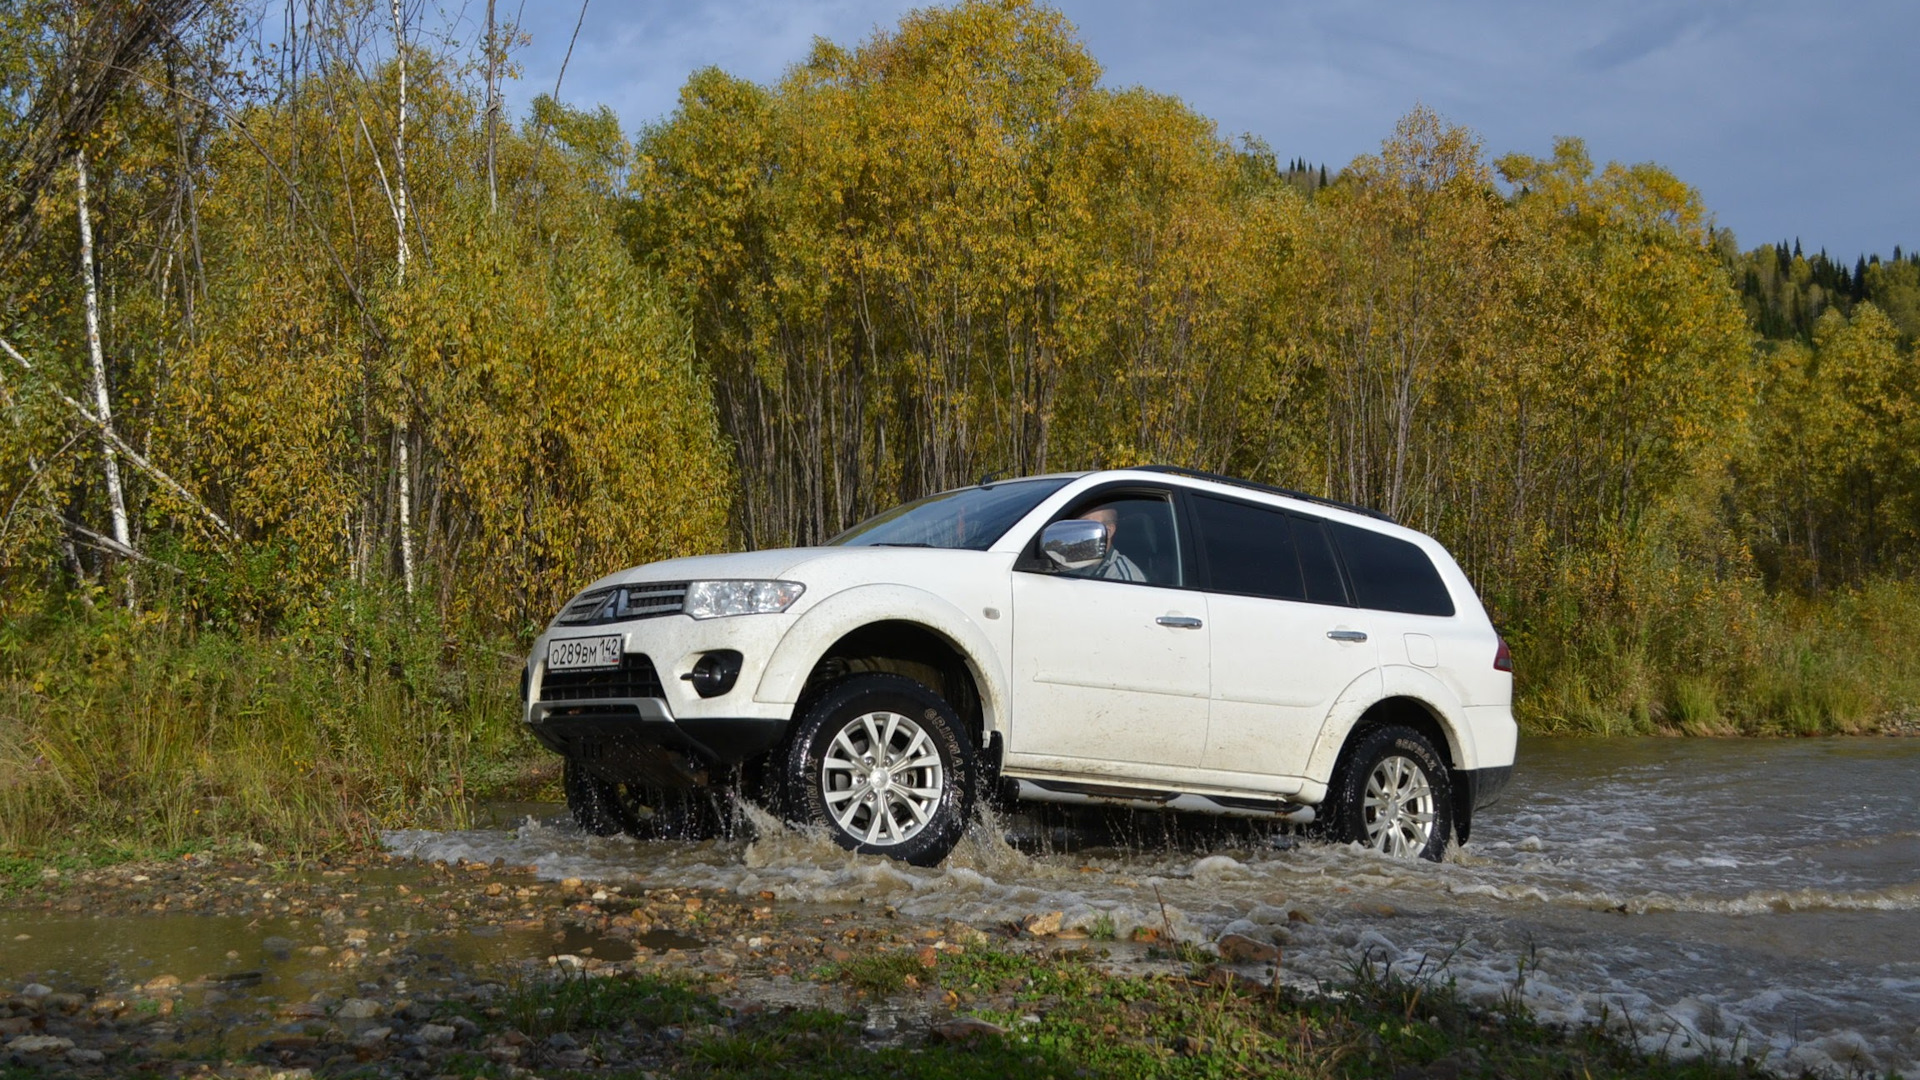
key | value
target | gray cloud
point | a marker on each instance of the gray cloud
(1792, 121)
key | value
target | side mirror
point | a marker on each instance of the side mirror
(1074, 544)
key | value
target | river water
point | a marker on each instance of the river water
(1730, 897)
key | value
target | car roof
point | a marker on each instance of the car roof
(1198, 474)
(1239, 483)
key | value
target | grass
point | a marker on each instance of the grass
(1689, 657)
(575, 1003)
(1064, 1016)
(125, 736)
(880, 974)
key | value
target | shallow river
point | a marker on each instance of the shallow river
(1731, 897)
(1739, 898)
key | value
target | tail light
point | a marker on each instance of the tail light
(1503, 659)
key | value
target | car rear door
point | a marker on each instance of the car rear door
(1286, 644)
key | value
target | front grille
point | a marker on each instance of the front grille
(585, 607)
(634, 678)
(620, 603)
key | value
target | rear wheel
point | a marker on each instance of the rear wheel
(880, 761)
(1393, 795)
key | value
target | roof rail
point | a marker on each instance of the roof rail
(1196, 474)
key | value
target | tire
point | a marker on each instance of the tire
(1393, 795)
(912, 802)
(594, 803)
(603, 808)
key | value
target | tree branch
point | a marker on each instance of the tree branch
(138, 459)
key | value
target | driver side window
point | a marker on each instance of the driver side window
(1143, 543)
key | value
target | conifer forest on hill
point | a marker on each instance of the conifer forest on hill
(326, 379)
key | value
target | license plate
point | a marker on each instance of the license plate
(572, 654)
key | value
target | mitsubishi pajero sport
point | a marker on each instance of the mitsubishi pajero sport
(1152, 637)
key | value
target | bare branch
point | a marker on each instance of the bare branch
(138, 459)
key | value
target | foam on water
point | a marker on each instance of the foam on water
(1643, 884)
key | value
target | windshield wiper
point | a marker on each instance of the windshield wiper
(883, 544)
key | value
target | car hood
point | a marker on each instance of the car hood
(768, 564)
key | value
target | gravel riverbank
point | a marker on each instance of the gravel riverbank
(386, 967)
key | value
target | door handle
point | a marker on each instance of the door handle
(1179, 622)
(1347, 635)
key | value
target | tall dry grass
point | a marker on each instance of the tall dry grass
(125, 733)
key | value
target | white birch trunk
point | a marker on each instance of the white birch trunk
(403, 454)
(493, 108)
(102, 404)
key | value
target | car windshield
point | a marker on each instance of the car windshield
(970, 518)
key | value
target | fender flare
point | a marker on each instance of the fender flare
(1397, 681)
(836, 616)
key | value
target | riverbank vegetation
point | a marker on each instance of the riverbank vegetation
(325, 381)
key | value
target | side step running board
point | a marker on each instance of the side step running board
(1066, 791)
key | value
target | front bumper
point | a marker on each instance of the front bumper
(636, 740)
(627, 725)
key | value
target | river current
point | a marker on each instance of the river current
(1730, 897)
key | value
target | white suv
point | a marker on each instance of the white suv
(1153, 637)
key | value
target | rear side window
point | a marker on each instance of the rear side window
(1390, 574)
(1249, 549)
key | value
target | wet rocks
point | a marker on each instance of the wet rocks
(1241, 949)
(1045, 925)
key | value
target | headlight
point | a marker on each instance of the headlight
(712, 599)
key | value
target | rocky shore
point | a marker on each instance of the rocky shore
(381, 967)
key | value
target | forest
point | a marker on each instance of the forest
(326, 381)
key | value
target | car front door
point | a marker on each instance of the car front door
(1110, 664)
(1286, 644)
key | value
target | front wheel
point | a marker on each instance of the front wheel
(1393, 796)
(881, 762)
(594, 803)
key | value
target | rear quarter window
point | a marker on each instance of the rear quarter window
(1390, 574)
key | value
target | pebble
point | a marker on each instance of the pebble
(436, 1034)
(40, 1044)
(360, 1009)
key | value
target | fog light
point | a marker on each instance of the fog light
(714, 673)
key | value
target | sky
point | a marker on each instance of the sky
(1794, 120)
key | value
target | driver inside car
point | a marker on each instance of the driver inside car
(1115, 567)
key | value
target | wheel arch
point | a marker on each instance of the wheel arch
(1448, 734)
(894, 629)
(906, 648)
